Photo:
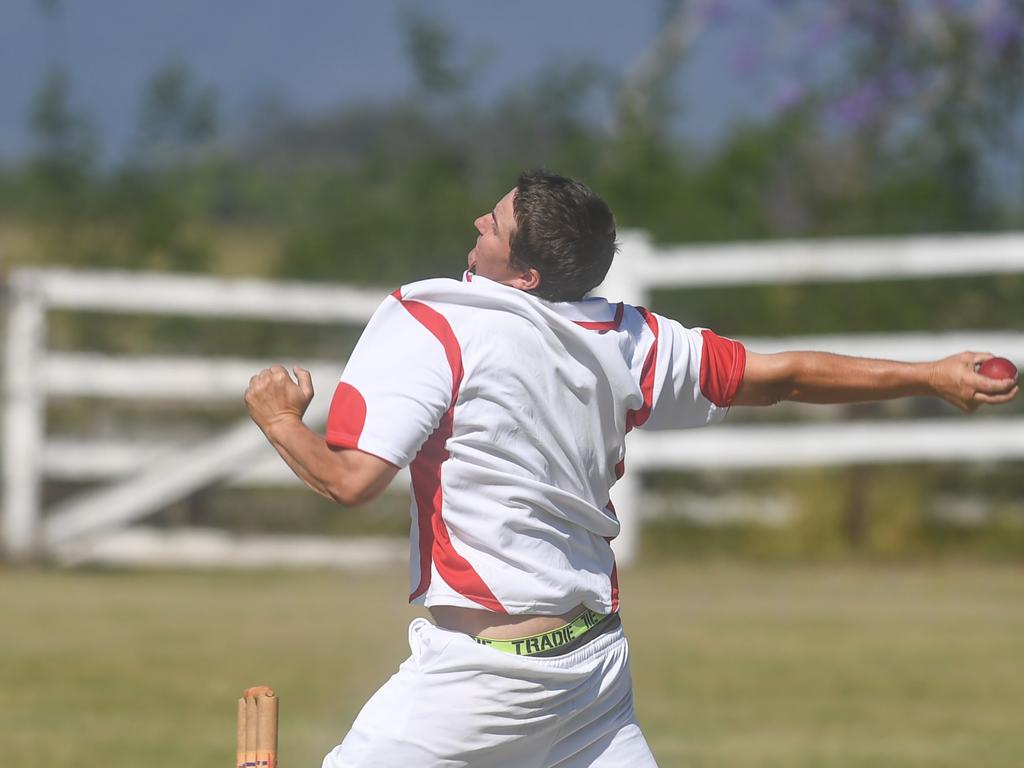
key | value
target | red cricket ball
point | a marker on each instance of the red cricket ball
(998, 368)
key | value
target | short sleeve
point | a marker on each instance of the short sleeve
(689, 377)
(396, 386)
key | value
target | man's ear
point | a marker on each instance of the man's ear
(527, 281)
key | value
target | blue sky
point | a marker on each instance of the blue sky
(318, 55)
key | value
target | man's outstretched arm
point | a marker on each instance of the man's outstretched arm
(820, 377)
(277, 404)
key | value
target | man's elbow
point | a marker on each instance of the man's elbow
(768, 379)
(348, 493)
(357, 489)
(357, 478)
(763, 394)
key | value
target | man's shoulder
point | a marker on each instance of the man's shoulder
(445, 305)
(427, 288)
(467, 297)
(471, 291)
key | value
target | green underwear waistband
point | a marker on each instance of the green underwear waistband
(557, 641)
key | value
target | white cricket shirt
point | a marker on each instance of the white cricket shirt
(511, 413)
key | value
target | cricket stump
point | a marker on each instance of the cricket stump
(257, 728)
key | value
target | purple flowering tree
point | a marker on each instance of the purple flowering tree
(940, 81)
(885, 115)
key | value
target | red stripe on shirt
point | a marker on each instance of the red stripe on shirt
(613, 578)
(608, 325)
(425, 471)
(615, 587)
(638, 417)
(435, 545)
(722, 364)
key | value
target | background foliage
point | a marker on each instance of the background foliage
(889, 118)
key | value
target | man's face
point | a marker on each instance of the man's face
(491, 255)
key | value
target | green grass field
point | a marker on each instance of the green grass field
(734, 665)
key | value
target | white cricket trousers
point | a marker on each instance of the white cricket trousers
(457, 704)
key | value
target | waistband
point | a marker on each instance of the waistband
(560, 640)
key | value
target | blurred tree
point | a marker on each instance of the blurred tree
(50, 7)
(176, 115)
(645, 100)
(914, 107)
(60, 175)
(429, 46)
(150, 201)
(65, 139)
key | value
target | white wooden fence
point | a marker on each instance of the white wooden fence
(142, 479)
(145, 478)
(642, 267)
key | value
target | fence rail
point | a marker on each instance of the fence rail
(821, 261)
(198, 296)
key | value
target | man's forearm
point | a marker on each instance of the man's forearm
(306, 454)
(821, 377)
(347, 476)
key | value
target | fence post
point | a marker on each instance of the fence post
(625, 282)
(24, 416)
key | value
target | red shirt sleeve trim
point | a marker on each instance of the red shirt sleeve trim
(346, 418)
(722, 363)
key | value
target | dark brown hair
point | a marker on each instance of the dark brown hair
(564, 231)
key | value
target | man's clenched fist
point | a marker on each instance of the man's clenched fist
(272, 395)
